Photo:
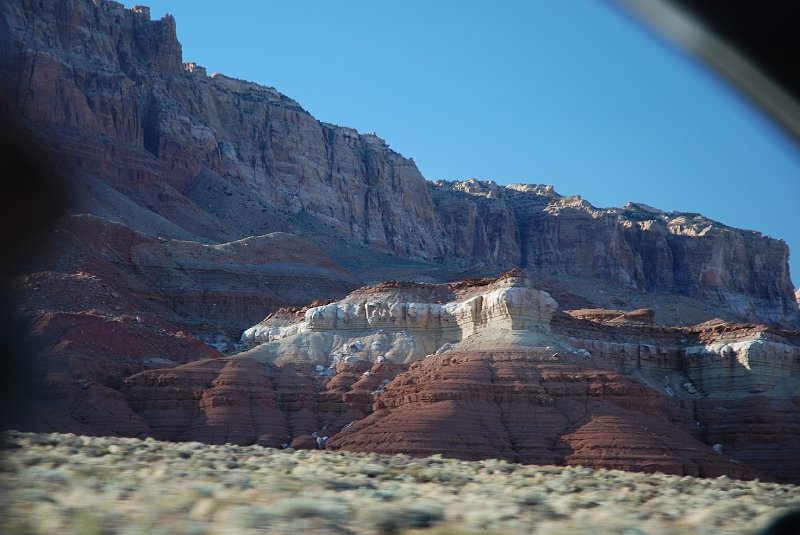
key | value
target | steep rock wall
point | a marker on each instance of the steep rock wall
(531, 226)
(220, 159)
(78, 67)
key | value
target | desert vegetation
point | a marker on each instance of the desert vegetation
(63, 483)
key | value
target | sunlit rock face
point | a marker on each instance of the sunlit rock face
(636, 246)
(507, 304)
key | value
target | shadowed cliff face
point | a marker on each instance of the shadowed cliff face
(636, 246)
(167, 150)
(109, 86)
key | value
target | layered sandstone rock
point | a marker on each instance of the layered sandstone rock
(112, 302)
(512, 380)
(107, 84)
(637, 246)
(93, 263)
(508, 303)
(533, 407)
(245, 401)
(79, 360)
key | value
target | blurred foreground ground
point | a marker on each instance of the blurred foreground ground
(62, 483)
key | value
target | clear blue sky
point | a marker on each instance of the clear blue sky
(570, 93)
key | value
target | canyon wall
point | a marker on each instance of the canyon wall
(639, 247)
(161, 146)
(109, 85)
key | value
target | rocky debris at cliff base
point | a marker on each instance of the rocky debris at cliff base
(57, 483)
(640, 315)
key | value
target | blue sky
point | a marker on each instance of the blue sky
(570, 93)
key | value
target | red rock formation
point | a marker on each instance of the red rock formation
(208, 148)
(80, 360)
(167, 150)
(533, 407)
(111, 302)
(211, 291)
(244, 401)
(759, 431)
(627, 395)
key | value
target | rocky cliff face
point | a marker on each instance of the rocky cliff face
(108, 84)
(640, 247)
(166, 149)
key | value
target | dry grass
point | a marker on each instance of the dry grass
(61, 483)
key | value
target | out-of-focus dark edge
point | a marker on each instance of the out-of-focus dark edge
(754, 45)
(34, 196)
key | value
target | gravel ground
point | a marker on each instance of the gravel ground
(62, 483)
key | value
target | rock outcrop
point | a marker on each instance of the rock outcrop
(532, 227)
(531, 406)
(507, 305)
(492, 371)
(107, 85)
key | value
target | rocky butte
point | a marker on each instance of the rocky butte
(626, 337)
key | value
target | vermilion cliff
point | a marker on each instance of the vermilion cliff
(163, 148)
(203, 203)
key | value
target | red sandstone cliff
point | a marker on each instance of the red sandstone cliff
(642, 248)
(165, 149)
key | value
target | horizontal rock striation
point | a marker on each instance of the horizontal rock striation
(244, 401)
(508, 303)
(523, 406)
(558, 389)
(112, 302)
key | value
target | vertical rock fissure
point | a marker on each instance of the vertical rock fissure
(328, 138)
(497, 399)
(150, 126)
(366, 216)
(522, 240)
